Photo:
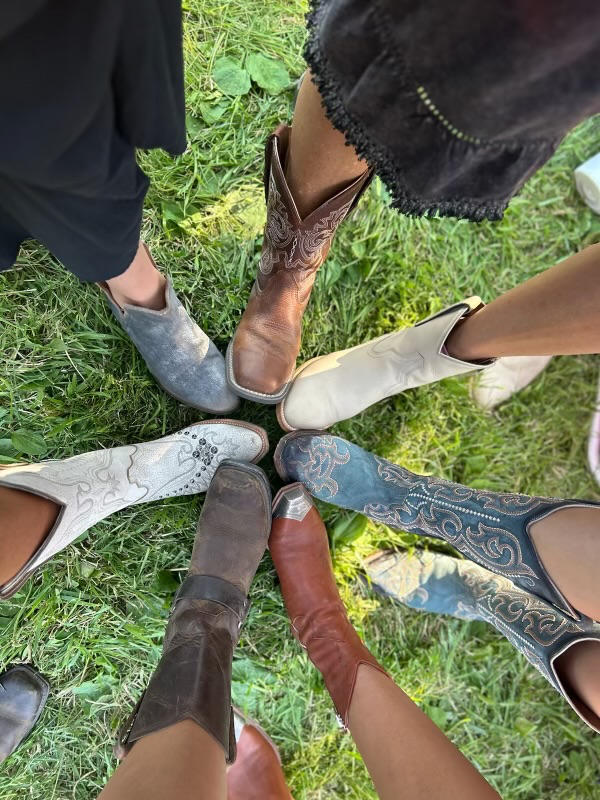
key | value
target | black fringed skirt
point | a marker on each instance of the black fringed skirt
(456, 105)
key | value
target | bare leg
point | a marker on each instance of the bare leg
(568, 543)
(141, 284)
(579, 669)
(319, 164)
(406, 754)
(555, 313)
(25, 521)
(182, 761)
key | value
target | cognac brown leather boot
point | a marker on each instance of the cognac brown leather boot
(262, 355)
(193, 678)
(257, 772)
(300, 551)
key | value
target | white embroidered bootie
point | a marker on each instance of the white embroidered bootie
(338, 386)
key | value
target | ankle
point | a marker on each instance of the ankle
(141, 284)
(462, 345)
(25, 521)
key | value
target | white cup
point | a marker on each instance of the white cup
(587, 181)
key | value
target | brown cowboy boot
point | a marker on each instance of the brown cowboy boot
(257, 773)
(300, 551)
(262, 355)
(193, 678)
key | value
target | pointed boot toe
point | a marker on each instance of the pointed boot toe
(257, 772)
(92, 486)
(443, 585)
(300, 551)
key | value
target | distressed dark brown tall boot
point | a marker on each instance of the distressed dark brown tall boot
(300, 551)
(263, 352)
(193, 678)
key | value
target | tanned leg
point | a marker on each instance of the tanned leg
(407, 756)
(579, 669)
(568, 543)
(182, 761)
(320, 163)
(141, 284)
(554, 313)
(25, 521)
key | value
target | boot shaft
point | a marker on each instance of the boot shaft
(262, 355)
(440, 584)
(490, 528)
(300, 551)
(193, 678)
(292, 244)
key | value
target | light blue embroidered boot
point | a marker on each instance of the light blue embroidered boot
(443, 585)
(490, 528)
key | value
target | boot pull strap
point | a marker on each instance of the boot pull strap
(217, 590)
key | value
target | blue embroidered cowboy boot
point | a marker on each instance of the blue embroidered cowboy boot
(490, 528)
(444, 585)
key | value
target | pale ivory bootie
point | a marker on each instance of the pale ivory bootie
(505, 378)
(331, 388)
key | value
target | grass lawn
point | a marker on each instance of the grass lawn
(93, 620)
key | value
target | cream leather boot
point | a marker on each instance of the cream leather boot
(332, 388)
(506, 377)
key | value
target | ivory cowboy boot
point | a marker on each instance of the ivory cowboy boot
(193, 678)
(490, 528)
(300, 551)
(444, 585)
(92, 486)
(262, 355)
(332, 388)
(257, 772)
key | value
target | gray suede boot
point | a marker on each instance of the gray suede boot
(184, 361)
(444, 585)
(193, 678)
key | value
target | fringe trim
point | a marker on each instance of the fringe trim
(377, 156)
